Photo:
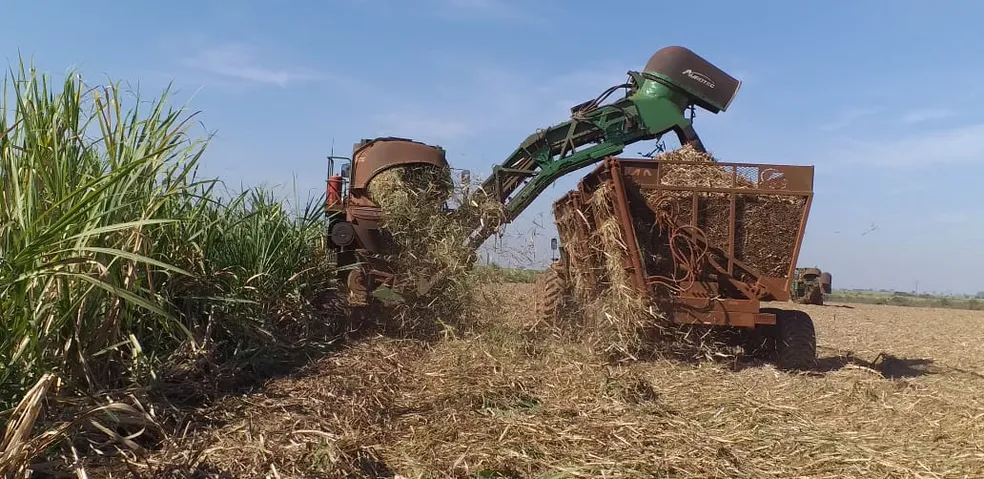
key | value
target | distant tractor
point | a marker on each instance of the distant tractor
(809, 286)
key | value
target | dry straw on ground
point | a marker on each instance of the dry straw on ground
(112, 426)
(483, 404)
(493, 403)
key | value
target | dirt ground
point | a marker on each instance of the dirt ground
(900, 393)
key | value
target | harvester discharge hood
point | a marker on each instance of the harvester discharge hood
(708, 86)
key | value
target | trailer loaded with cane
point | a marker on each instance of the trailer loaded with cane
(705, 242)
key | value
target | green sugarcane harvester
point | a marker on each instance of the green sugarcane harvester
(659, 99)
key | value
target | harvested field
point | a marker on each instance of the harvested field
(900, 394)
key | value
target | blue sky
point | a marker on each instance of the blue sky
(883, 97)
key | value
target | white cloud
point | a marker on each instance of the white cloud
(958, 145)
(848, 118)
(419, 125)
(928, 114)
(237, 61)
(530, 13)
(952, 217)
(495, 101)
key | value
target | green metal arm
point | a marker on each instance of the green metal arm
(674, 80)
(651, 107)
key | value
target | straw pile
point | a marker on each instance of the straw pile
(613, 317)
(574, 229)
(611, 243)
(610, 314)
(426, 240)
(700, 170)
(415, 224)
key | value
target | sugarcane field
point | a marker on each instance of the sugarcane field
(688, 257)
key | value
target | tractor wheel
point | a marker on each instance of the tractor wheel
(794, 339)
(550, 296)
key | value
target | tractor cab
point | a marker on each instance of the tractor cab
(337, 187)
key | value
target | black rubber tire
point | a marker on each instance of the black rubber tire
(550, 296)
(795, 340)
(760, 342)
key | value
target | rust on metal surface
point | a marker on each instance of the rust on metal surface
(732, 199)
(366, 221)
(826, 281)
(357, 287)
(793, 180)
(708, 268)
(719, 312)
(778, 287)
(799, 244)
(807, 272)
(380, 154)
(635, 269)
